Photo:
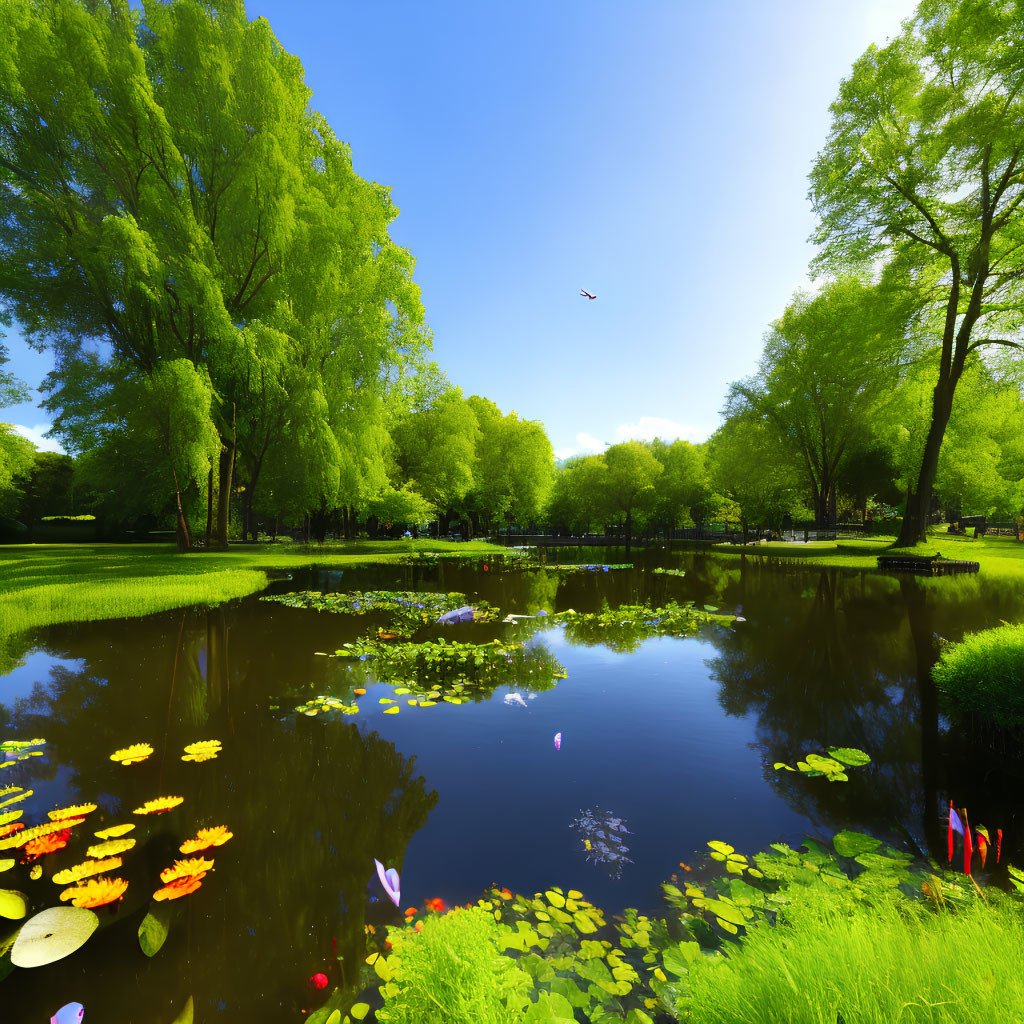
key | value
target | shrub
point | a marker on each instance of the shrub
(984, 675)
(454, 972)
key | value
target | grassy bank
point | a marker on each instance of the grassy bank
(42, 585)
(998, 556)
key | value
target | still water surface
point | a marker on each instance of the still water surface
(676, 737)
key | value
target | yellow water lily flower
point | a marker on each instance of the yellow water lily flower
(186, 869)
(80, 811)
(9, 816)
(182, 887)
(159, 805)
(110, 849)
(205, 838)
(96, 893)
(132, 755)
(86, 869)
(204, 750)
(36, 873)
(114, 831)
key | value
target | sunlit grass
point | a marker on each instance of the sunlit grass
(889, 962)
(42, 585)
(997, 556)
(982, 675)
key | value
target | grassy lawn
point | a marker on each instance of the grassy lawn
(998, 556)
(45, 584)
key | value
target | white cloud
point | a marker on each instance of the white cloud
(586, 444)
(35, 435)
(647, 428)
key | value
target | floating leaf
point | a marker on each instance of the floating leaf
(25, 836)
(132, 755)
(205, 838)
(204, 750)
(850, 756)
(111, 848)
(52, 935)
(115, 831)
(186, 1015)
(392, 711)
(97, 892)
(43, 845)
(154, 928)
(80, 811)
(159, 805)
(86, 869)
(9, 816)
(13, 904)
(7, 864)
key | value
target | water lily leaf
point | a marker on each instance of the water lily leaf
(782, 764)
(186, 1015)
(18, 798)
(13, 904)
(53, 935)
(115, 831)
(7, 864)
(155, 926)
(556, 899)
(721, 847)
(428, 704)
(853, 844)
(850, 756)
(358, 1011)
(392, 711)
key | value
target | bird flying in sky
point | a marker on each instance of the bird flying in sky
(587, 294)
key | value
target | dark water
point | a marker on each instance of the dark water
(676, 737)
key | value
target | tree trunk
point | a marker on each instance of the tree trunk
(226, 471)
(209, 508)
(183, 539)
(629, 529)
(919, 498)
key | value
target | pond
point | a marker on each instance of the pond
(666, 743)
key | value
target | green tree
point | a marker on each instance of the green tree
(683, 487)
(47, 489)
(578, 498)
(826, 363)
(435, 450)
(924, 168)
(182, 201)
(632, 470)
(513, 469)
(16, 452)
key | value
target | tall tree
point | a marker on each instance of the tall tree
(181, 201)
(924, 168)
(632, 470)
(683, 486)
(826, 363)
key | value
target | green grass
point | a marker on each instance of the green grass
(998, 556)
(982, 675)
(831, 959)
(43, 585)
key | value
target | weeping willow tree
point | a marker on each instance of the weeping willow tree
(167, 193)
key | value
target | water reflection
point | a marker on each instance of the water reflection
(311, 805)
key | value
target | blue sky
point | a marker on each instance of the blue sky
(652, 152)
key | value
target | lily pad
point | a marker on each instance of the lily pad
(52, 935)
(13, 904)
(155, 926)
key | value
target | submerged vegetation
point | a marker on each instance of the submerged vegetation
(409, 608)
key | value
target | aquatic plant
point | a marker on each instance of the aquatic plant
(405, 607)
(97, 892)
(981, 675)
(204, 750)
(669, 572)
(218, 835)
(455, 672)
(87, 869)
(134, 754)
(160, 805)
(601, 838)
(327, 703)
(832, 767)
(452, 969)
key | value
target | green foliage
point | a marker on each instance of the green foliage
(982, 675)
(832, 767)
(454, 672)
(453, 972)
(406, 607)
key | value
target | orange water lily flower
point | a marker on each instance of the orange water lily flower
(186, 869)
(7, 830)
(95, 893)
(80, 811)
(133, 754)
(181, 887)
(42, 845)
(436, 905)
(205, 838)
(159, 805)
(30, 834)
(86, 869)
(111, 848)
